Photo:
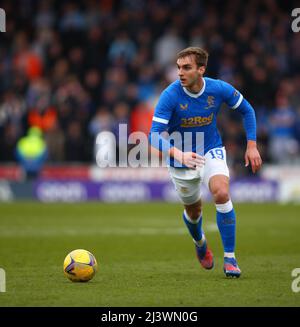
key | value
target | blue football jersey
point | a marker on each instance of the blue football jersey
(179, 110)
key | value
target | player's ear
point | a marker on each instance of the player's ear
(202, 70)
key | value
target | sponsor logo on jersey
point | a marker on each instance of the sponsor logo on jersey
(196, 121)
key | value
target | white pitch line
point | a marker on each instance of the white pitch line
(101, 231)
(211, 227)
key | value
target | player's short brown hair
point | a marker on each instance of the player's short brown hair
(201, 56)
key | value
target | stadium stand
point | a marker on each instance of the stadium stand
(76, 68)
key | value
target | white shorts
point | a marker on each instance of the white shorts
(188, 181)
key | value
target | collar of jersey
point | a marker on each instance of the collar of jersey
(195, 95)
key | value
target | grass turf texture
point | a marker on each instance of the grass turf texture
(145, 255)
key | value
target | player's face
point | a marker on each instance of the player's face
(189, 73)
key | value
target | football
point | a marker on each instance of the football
(80, 266)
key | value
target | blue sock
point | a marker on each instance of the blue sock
(226, 225)
(195, 229)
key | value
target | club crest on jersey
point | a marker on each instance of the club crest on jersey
(236, 93)
(210, 102)
(183, 107)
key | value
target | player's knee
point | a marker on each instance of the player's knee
(221, 195)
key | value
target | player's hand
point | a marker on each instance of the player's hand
(189, 159)
(192, 160)
(252, 156)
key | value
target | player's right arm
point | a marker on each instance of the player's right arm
(160, 122)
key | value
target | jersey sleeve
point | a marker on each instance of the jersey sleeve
(231, 96)
(164, 109)
(162, 115)
(234, 99)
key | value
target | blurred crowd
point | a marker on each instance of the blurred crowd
(76, 68)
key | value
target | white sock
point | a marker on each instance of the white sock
(225, 207)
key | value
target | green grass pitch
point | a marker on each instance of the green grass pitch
(145, 255)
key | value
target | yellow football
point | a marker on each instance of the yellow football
(80, 266)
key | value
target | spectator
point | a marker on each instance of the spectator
(31, 152)
(75, 143)
(25, 59)
(55, 140)
(122, 49)
(103, 145)
(167, 46)
(283, 143)
(61, 60)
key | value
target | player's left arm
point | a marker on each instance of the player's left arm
(237, 102)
